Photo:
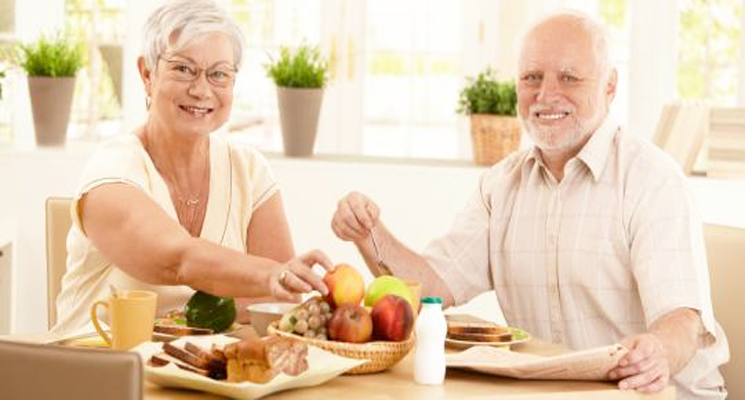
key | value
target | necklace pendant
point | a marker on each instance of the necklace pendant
(192, 202)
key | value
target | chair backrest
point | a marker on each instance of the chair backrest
(681, 130)
(725, 250)
(726, 143)
(48, 371)
(58, 222)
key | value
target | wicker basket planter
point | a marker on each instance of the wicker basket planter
(380, 355)
(493, 137)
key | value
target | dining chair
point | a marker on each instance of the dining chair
(726, 145)
(49, 371)
(725, 250)
(681, 130)
(58, 222)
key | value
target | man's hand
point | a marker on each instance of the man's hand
(655, 356)
(645, 367)
(355, 217)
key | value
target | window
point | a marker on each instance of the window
(397, 65)
(709, 55)
(267, 25)
(411, 78)
(7, 28)
(96, 109)
(395, 68)
(614, 14)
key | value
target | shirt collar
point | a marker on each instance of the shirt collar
(595, 152)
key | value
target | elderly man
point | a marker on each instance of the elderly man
(589, 238)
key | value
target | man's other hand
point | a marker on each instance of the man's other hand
(645, 367)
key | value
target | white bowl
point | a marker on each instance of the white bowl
(260, 315)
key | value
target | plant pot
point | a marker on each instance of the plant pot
(298, 116)
(493, 137)
(51, 99)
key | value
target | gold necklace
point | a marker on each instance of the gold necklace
(188, 207)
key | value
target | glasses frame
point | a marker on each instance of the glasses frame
(192, 65)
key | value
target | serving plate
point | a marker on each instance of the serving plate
(322, 366)
(518, 336)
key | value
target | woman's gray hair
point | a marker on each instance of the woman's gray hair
(596, 30)
(178, 22)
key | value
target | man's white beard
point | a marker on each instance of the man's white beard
(552, 139)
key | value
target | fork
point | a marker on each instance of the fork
(382, 267)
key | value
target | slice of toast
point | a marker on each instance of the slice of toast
(481, 337)
(180, 330)
(470, 328)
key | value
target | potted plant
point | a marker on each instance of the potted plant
(50, 64)
(300, 75)
(492, 105)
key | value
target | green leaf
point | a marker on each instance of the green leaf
(488, 95)
(53, 57)
(302, 68)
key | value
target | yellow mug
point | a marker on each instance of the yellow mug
(416, 292)
(131, 318)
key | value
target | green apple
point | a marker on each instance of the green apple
(387, 284)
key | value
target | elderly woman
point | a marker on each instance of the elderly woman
(170, 208)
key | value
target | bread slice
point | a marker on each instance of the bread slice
(481, 337)
(260, 360)
(180, 330)
(474, 329)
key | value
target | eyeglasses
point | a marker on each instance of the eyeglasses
(220, 75)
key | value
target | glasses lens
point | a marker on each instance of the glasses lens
(221, 76)
(182, 71)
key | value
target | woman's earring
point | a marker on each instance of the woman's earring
(147, 103)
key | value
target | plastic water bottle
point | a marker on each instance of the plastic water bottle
(429, 356)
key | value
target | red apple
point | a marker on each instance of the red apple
(350, 323)
(393, 318)
(345, 284)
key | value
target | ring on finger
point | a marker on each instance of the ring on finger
(283, 277)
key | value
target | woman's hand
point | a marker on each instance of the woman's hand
(297, 276)
(355, 217)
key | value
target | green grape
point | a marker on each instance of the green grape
(302, 314)
(314, 322)
(301, 326)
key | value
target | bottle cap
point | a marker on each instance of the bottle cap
(432, 300)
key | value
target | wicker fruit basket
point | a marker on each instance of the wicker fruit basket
(380, 355)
